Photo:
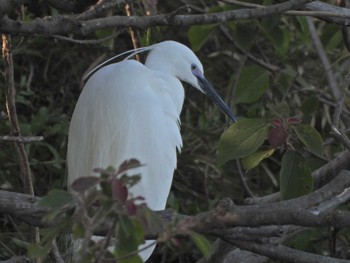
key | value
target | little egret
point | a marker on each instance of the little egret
(130, 110)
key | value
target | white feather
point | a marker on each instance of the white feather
(129, 110)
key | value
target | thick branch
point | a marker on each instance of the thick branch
(296, 211)
(321, 176)
(284, 253)
(307, 210)
(68, 24)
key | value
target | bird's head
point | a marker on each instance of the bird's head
(177, 59)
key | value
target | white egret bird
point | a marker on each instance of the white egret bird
(130, 110)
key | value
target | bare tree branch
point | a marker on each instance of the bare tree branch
(296, 211)
(321, 176)
(242, 226)
(286, 214)
(60, 25)
(332, 82)
(284, 253)
(341, 19)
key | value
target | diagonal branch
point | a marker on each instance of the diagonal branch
(284, 253)
(332, 82)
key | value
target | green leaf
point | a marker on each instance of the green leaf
(202, 244)
(56, 199)
(241, 139)
(331, 37)
(281, 110)
(279, 36)
(36, 250)
(78, 231)
(295, 176)
(310, 138)
(303, 29)
(310, 105)
(254, 159)
(253, 82)
(245, 34)
(129, 234)
(199, 34)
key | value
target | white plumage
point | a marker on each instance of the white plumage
(130, 110)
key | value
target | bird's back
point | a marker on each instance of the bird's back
(128, 111)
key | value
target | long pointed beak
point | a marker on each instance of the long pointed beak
(209, 90)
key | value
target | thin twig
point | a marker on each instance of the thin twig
(102, 6)
(90, 41)
(134, 37)
(337, 111)
(10, 92)
(292, 12)
(243, 180)
(324, 60)
(12, 114)
(262, 63)
(21, 139)
(340, 136)
(55, 253)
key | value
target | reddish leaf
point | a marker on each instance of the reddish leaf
(277, 136)
(293, 120)
(119, 191)
(131, 207)
(128, 164)
(84, 183)
(277, 122)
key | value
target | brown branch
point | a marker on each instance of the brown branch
(60, 25)
(12, 114)
(25, 172)
(133, 34)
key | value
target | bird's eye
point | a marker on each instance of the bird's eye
(193, 66)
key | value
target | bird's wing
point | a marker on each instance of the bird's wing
(127, 111)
